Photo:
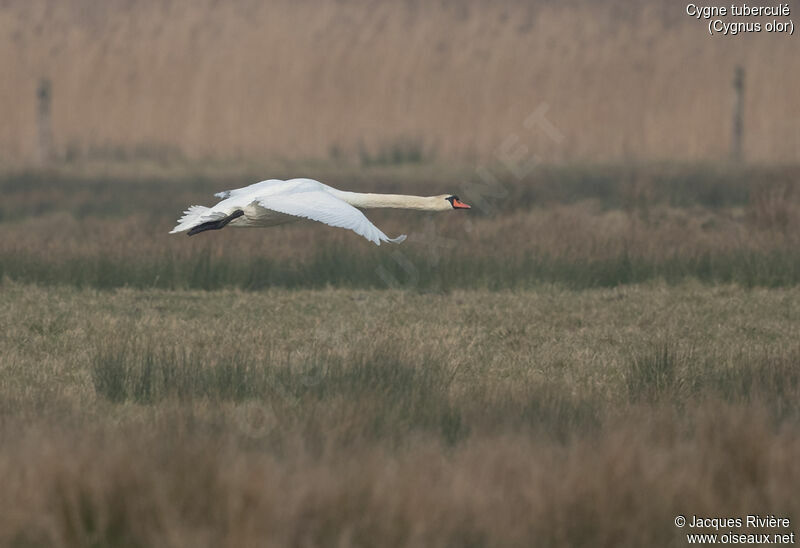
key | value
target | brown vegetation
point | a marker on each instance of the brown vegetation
(598, 227)
(602, 343)
(357, 418)
(377, 81)
(444, 414)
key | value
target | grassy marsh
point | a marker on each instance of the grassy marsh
(579, 227)
(581, 358)
(159, 418)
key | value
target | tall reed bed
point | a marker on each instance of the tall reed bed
(375, 82)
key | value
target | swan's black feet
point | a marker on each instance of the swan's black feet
(216, 225)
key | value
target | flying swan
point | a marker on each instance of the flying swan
(276, 202)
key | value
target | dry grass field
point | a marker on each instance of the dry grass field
(356, 418)
(368, 80)
(608, 339)
(600, 350)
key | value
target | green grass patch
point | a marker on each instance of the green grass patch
(771, 379)
(377, 392)
(340, 266)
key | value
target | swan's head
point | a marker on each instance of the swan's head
(455, 203)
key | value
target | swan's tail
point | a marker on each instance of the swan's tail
(194, 216)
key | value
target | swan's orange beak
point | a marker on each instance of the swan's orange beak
(458, 204)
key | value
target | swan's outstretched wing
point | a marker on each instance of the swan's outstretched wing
(318, 205)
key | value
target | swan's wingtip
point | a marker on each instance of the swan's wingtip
(384, 238)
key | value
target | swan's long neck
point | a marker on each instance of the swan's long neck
(397, 201)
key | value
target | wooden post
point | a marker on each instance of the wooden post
(44, 122)
(738, 107)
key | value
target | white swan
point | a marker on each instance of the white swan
(275, 202)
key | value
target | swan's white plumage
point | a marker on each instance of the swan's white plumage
(275, 201)
(268, 186)
(318, 205)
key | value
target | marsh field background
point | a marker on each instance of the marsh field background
(608, 339)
